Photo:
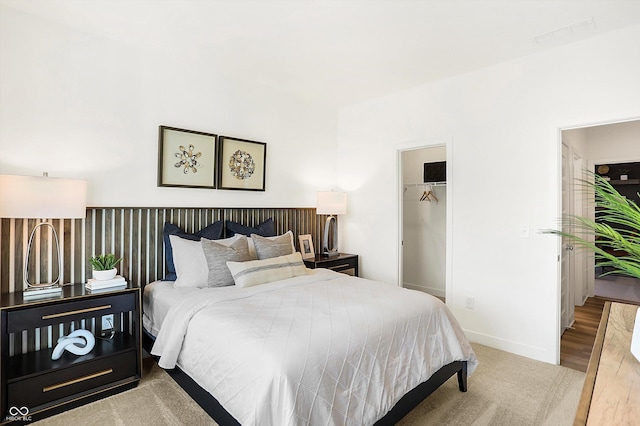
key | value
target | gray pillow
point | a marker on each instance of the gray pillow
(217, 256)
(266, 248)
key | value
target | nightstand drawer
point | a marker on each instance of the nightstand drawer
(344, 267)
(58, 384)
(344, 263)
(347, 271)
(36, 317)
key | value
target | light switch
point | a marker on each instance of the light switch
(524, 230)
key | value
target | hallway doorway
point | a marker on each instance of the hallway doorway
(601, 149)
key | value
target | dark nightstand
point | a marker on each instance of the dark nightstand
(344, 262)
(46, 387)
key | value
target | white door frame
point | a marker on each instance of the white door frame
(411, 146)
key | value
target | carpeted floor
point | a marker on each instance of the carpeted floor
(505, 390)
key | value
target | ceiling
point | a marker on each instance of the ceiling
(340, 51)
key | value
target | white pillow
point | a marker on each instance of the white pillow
(254, 272)
(192, 269)
(252, 247)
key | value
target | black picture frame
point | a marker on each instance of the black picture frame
(186, 158)
(247, 170)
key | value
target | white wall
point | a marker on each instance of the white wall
(425, 222)
(77, 105)
(614, 143)
(503, 123)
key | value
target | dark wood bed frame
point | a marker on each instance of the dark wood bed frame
(407, 403)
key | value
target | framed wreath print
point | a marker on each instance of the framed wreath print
(306, 246)
(186, 158)
(241, 164)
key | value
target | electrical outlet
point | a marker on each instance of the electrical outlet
(469, 302)
(107, 322)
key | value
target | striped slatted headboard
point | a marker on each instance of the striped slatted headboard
(133, 233)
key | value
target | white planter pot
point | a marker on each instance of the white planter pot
(104, 275)
(635, 337)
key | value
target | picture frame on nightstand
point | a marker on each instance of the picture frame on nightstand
(306, 246)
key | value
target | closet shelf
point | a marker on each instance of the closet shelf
(411, 185)
(625, 182)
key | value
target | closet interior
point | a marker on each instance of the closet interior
(424, 220)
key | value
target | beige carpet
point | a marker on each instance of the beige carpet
(505, 390)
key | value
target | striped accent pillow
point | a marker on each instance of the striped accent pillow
(255, 272)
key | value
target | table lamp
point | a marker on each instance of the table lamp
(31, 197)
(331, 203)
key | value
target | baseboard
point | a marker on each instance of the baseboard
(533, 352)
(437, 292)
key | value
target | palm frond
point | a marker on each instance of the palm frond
(616, 229)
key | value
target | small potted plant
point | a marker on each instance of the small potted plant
(104, 266)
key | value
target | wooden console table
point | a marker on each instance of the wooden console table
(611, 392)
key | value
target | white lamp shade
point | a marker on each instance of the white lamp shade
(331, 203)
(42, 197)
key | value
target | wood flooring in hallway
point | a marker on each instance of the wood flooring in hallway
(577, 342)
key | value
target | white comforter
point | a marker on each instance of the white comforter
(320, 349)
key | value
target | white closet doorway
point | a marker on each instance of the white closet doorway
(423, 214)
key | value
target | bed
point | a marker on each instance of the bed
(319, 348)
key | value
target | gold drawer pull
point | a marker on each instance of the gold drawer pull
(340, 266)
(78, 380)
(79, 311)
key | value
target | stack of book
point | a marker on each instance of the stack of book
(115, 283)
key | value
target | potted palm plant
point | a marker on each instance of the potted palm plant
(616, 229)
(104, 266)
(614, 236)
